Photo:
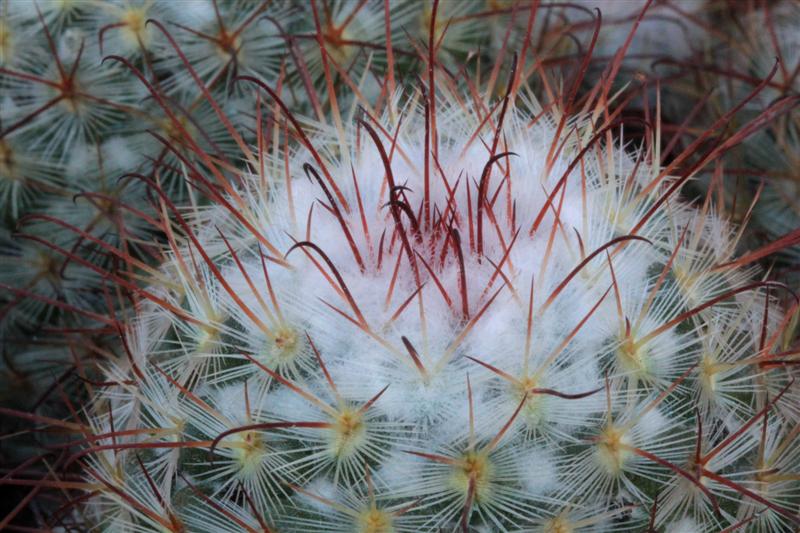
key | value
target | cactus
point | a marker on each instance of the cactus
(451, 315)
(432, 310)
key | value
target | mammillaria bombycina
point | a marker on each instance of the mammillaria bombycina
(447, 316)
(424, 309)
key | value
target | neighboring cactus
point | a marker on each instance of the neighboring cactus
(774, 156)
(74, 120)
(750, 46)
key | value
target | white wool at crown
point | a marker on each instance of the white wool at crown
(351, 356)
(349, 353)
(360, 367)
